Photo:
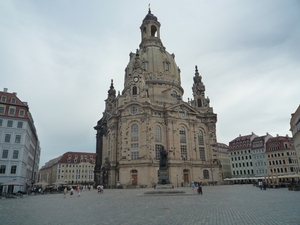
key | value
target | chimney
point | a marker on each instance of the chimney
(5, 90)
(15, 93)
(277, 135)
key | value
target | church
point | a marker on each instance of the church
(150, 114)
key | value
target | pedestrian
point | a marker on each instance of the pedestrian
(200, 188)
(193, 187)
(71, 192)
(65, 192)
(78, 191)
(260, 185)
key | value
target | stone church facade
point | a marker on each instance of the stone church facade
(149, 113)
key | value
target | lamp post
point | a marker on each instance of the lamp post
(177, 179)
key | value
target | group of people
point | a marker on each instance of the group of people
(262, 185)
(77, 189)
(199, 188)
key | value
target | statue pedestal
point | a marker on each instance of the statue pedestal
(163, 178)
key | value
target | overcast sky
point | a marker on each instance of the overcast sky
(60, 55)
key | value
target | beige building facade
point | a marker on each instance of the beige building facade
(71, 167)
(150, 113)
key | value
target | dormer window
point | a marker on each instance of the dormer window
(3, 99)
(21, 113)
(13, 100)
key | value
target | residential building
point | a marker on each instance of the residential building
(258, 151)
(224, 160)
(19, 144)
(281, 156)
(148, 114)
(295, 129)
(71, 167)
(241, 157)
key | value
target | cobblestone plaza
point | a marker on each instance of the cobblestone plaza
(233, 204)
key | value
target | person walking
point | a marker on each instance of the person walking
(193, 187)
(71, 192)
(65, 192)
(200, 189)
(260, 185)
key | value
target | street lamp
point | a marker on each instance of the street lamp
(177, 179)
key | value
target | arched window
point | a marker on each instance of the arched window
(134, 132)
(134, 90)
(182, 135)
(13, 100)
(153, 31)
(200, 138)
(3, 98)
(158, 134)
(199, 102)
(205, 174)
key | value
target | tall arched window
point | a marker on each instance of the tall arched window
(183, 148)
(199, 102)
(182, 135)
(174, 95)
(134, 132)
(158, 139)
(200, 138)
(158, 134)
(134, 90)
(205, 174)
(134, 140)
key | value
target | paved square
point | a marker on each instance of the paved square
(233, 204)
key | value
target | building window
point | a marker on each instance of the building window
(2, 109)
(200, 138)
(182, 135)
(183, 152)
(2, 169)
(15, 154)
(158, 134)
(134, 90)
(134, 151)
(21, 113)
(18, 139)
(133, 110)
(205, 174)
(9, 123)
(202, 153)
(144, 66)
(11, 111)
(7, 138)
(3, 99)
(13, 169)
(20, 125)
(1, 121)
(157, 151)
(5, 154)
(199, 102)
(134, 132)
(167, 66)
(174, 95)
(13, 100)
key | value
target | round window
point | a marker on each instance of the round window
(133, 110)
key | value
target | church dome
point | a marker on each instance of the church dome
(151, 60)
